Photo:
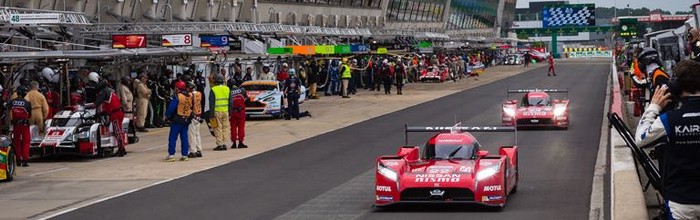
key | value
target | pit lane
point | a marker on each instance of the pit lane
(329, 176)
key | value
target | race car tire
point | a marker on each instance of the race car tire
(101, 152)
(11, 165)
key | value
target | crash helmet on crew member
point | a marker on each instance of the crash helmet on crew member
(266, 68)
(22, 91)
(50, 75)
(292, 72)
(646, 57)
(93, 77)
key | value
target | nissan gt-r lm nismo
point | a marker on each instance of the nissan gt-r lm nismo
(451, 169)
(537, 108)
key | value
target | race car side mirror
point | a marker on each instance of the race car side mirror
(482, 153)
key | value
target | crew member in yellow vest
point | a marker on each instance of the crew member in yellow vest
(180, 114)
(193, 134)
(219, 103)
(345, 75)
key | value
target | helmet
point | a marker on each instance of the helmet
(50, 75)
(191, 85)
(292, 72)
(285, 65)
(94, 77)
(218, 79)
(648, 56)
(180, 85)
(22, 91)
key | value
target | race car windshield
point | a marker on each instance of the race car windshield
(536, 101)
(449, 151)
(258, 87)
(65, 122)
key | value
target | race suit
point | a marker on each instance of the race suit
(238, 98)
(680, 179)
(108, 103)
(21, 111)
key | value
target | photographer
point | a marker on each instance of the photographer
(680, 176)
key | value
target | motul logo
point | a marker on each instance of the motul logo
(492, 188)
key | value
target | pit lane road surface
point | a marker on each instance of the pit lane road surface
(330, 176)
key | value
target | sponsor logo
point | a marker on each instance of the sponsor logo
(449, 140)
(465, 169)
(491, 198)
(383, 189)
(417, 170)
(439, 178)
(485, 163)
(385, 198)
(440, 169)
(687, 130)
(390, 163)
(534, 113)
(492, 188)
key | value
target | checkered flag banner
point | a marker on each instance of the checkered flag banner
(568, 16)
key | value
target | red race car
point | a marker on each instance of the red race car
(451, 169)
(433, 74)
(537, 108)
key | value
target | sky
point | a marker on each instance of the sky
(677, 5)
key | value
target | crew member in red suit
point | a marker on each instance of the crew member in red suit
(550, 60)
(107, 102)
(52, 100)
(21, 111)
(236, 108)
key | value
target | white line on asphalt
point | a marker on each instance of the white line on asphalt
(50, 171)
(597, 210)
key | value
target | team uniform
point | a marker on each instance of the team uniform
(238, 98)
(180, 114)
(109, 103)
(681, 179)
(21, 112)
(193, 133)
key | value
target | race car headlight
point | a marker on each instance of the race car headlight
(558, 111)
(486, 173)
(84, 135)
(386, 172)
(509, 111)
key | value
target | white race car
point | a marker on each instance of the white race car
(266, 98)
(79, 132)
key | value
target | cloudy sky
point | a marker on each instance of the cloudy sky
(672, 5)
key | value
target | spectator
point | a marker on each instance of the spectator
(40, 108)
(238, 97)
(193, 135)
(20, 112)
(219, 104)
(143, 94)
(680, 170)
(180, 114)
(266, 74)
(282, 75)
(248, 74)
(125, 95)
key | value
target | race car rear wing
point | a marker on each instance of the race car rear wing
(511, 91)
(459, 128)
(538, 90)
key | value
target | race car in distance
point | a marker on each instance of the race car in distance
(434, 74)
(266, 98)
(79, 131)
(7, 159)
(451, 169)
(513, 59)
(536, 109)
